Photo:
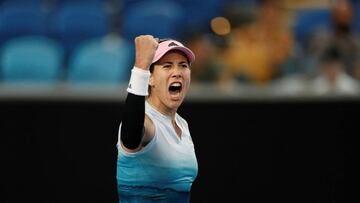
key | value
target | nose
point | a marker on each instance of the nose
(177, 72)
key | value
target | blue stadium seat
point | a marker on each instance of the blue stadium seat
(37, 2)
(20, 19)
(160, 18)
(31, 59)
(246, 3)
(357, 16)
(89, 1)
(309, 21)
(62, 2)
(200, 13)
(77, 22)
(125, 4)
(101, 61)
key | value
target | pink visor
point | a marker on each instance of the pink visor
(169, 45)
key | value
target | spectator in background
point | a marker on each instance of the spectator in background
(332, 78)
(258, 46)
(205, 69)
(356, 68)
(342, 34)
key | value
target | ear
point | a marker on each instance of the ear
(151, 80)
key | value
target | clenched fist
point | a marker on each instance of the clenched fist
(145, 48)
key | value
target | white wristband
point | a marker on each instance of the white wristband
(139, 81)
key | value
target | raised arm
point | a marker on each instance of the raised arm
(134, 123)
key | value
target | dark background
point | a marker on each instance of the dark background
(248, 151)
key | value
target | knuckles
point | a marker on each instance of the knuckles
(146, 40)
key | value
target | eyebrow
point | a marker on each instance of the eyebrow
(170, 62)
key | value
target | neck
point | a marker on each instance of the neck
(161, 107)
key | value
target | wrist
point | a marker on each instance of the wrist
(142, 65)
(139, 81)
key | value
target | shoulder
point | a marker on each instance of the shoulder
(182, 120)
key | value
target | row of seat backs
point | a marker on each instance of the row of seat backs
(41, 59)
(71, 24)
(74, 21)
(78, 20)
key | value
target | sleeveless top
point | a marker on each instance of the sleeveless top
(162, 171)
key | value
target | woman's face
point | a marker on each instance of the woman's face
(170, 81)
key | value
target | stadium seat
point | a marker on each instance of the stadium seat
(20, 19)
(89, 1)
(309, 21)
(34, 2)
(160, 18)
(63, 2)
(357, 16)
(101, 61)
(200, 13)
(76, 22)
(31, 59)
(245, 3)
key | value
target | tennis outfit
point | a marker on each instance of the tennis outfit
(164, 170)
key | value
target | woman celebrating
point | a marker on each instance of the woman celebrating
(156, 159)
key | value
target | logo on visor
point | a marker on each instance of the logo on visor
(173, 44)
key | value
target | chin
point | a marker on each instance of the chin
(174, 104)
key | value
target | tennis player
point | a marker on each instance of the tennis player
(156, 156)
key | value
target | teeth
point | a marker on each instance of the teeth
(176, 84)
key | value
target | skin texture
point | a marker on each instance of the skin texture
(173, 67)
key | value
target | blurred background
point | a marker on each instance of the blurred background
(272, 109)
(243, 47)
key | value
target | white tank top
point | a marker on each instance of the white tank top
(166, 162)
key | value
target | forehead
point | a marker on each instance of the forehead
(173, 55)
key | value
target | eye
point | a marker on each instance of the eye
(167, 66)
(185, 65)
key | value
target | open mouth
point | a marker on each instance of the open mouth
(175, 88)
